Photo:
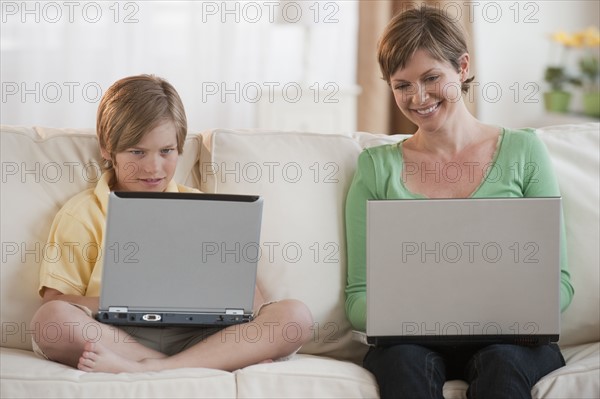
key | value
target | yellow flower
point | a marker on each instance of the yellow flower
(591, 37)
(568, 40)
(557, 74)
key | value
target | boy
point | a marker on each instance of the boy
(141, 127)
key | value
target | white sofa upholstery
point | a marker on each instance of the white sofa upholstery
(303, 178)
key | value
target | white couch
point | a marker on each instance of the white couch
(303, 178)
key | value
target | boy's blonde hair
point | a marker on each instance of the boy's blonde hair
(425, 28)
(133, 106)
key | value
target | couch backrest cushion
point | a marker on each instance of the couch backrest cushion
(41, 169)
(303, 179)
(574, 150)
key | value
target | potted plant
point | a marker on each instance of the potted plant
(590, 70)
(557, 99)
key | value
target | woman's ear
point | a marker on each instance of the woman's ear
(464, 62)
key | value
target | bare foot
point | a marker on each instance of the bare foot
(97, 358)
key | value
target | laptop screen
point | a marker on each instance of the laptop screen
(463, 270)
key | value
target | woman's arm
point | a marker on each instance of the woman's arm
(362, 189)
(540, 181)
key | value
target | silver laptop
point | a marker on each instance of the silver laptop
(182, 259)
(452, 271)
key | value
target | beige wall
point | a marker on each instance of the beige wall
(509, 47)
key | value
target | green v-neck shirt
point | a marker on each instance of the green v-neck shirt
(520, 167)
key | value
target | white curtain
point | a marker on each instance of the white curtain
(224, 57)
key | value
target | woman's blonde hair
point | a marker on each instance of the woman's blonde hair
(133, 106)
(424, 28)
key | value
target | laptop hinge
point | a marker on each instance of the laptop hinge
(118, 309)
(234, 311)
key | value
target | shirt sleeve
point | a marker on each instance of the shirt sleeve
(539, 180)
(363, 187)
(70, 256)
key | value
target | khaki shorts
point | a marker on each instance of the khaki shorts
(167, 340)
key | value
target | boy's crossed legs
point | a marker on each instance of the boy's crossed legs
(278, 330)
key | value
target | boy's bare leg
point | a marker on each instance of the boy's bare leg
(63, 330)
(279, 330)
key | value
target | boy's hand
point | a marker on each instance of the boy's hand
(92, 303)
(258, 298)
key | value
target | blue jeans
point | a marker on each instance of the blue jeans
(493, 371)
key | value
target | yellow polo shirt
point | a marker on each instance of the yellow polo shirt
(72, 261)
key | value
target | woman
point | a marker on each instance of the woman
(423, 56)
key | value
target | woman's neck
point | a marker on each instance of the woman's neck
(454, 136)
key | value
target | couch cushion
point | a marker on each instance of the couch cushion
(580, 378)
(303, 179)
(306, 376)
(574, 153)
(26, 376)
(41, 169)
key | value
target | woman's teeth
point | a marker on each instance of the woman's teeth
(427, 110)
